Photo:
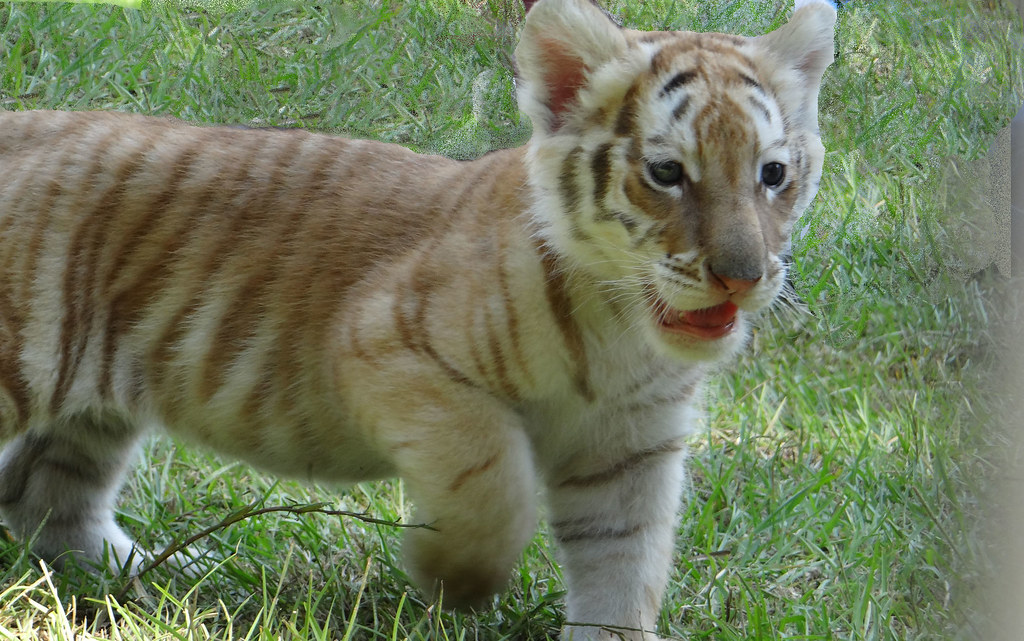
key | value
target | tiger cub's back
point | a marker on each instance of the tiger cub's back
(196, 273)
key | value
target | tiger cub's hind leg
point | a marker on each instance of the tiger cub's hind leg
(58, 485)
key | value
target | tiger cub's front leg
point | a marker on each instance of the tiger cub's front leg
(467, 466)
(615, 523)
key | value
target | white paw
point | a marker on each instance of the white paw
(608, 633)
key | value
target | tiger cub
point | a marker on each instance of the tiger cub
(343, 310)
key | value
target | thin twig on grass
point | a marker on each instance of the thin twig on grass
(250, 511)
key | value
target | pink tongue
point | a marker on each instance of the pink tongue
(712, 316)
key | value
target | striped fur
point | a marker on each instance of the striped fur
(346, 310)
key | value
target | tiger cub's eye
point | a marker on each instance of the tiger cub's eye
(666, 172)
(773, 173)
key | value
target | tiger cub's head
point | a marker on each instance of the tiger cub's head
(671, 166)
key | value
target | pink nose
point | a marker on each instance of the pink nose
(733, 285)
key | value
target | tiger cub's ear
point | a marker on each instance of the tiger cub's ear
(801, 50)
(562, 43)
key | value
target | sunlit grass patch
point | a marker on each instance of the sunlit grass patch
(129, 4)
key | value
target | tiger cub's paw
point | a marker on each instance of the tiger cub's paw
(606, 633)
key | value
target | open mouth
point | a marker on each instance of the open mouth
(708, 323)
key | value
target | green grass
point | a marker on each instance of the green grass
(131, 4)
(837, 490)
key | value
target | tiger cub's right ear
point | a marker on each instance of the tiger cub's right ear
(562, 43)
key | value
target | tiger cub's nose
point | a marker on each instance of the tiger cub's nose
(733, 285)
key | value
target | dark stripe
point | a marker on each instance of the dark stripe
(411, 323)
(111, 212)
(700, 128)
(653, 230)
(12, 379)
(16, 305)
(637, 459)
(412, 327)
(626, 220)
(788, 195)
(259, 394)
(640, 384)
(160, 355)
(681, 108)
(685, 270)
(750, 81)
(718, 42)
(511, 317)
(449, 370)
(760, 106)
(210, 196)
(498, 358)
(666, 59)
(238, 325)
(678, 80)
(676, 398)
(18, 469)
(242, 319)
(569, 191)
(154, 212)
(656, 36)
(404, 322)
(467, 474)
(475, 354)
(726, 47)
(43, 209)
(86, 243)
(596, 533)
(561, 307)
(626, 120)
(417, 289)
(125, 309)
(127, 306)
(298, 304)
(601, 169)
(638, 190)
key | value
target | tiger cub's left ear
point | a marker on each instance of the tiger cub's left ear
(801, 50)
(562, 43)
